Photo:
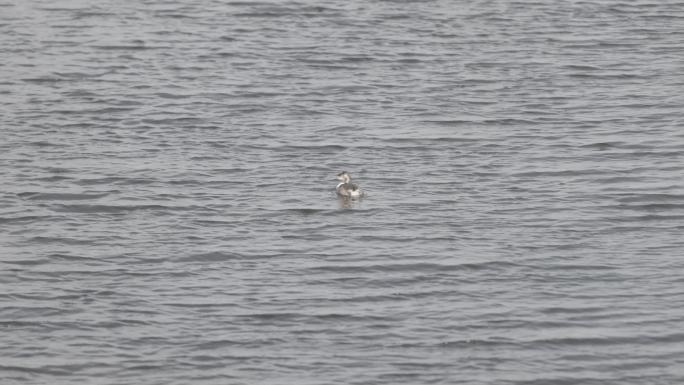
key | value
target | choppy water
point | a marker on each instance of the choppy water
(167, 213)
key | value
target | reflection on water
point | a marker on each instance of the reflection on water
(348, 203)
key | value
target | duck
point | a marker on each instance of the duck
(346, 188)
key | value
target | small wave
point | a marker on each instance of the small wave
(111, 209)
(125, 47)
(60, 240)
(60, 196)
(214, 256)
(27, 262)
(651, 198)
(422, 267)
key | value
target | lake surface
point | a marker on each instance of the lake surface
(168, 215)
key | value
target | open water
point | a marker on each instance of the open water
(167, 206)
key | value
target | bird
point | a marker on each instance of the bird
(346, 188)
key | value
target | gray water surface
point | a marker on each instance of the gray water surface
(168, 215)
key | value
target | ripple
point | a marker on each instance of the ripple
(168, 212)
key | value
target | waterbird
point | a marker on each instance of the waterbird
(346, 188)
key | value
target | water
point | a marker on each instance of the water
(167, 213)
